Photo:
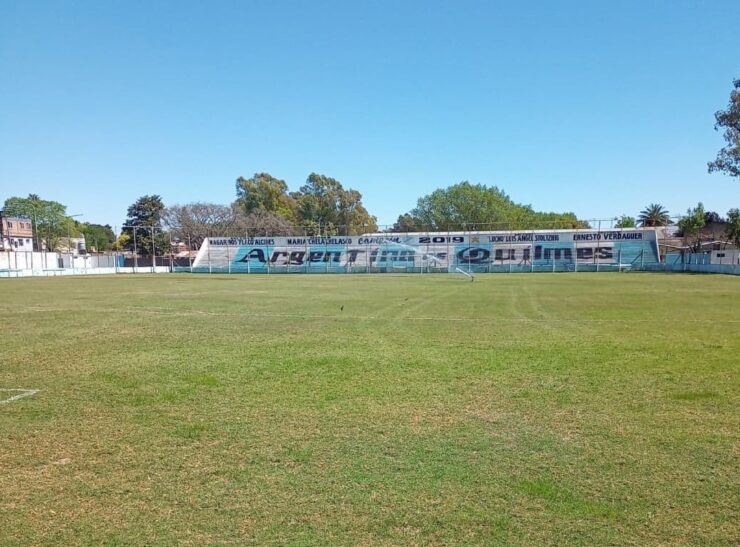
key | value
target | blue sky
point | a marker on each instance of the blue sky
(593, 107)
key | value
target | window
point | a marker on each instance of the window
(10, 224)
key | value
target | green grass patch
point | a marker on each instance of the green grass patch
(560, 409)
(695, 395)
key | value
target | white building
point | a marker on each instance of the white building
(725, 257)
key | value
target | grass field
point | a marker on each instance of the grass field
(560, 409)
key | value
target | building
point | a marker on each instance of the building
(727, 256)
(72, 245)
(16, 233)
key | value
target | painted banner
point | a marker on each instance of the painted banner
(538, 250)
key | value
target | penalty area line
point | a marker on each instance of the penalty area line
(20, 394)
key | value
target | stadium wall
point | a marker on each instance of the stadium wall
(50, 264)
(476, 252)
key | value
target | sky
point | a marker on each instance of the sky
(593, 107)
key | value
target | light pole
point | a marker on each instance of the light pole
(35, 233)
(69, 238)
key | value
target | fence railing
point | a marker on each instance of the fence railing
(42, 263)
(156, 250)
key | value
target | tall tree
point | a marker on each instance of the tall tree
(407, 223)
(476, 206)
(733, 226)
(728, 158)
(261, 223)
(712, 217)
(325, 207)
(263, 192)
(143, 226)
(654, 215)
(98, 237)
(626, 222)
(690, 226)
(49, 218)
(193, 222)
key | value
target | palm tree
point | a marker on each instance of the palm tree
(654, 215)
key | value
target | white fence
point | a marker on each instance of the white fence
(47, 264)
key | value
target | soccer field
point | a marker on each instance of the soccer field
(313, 410)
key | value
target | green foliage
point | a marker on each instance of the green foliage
(654, 215)
(572, 410)
(144, 226)
(263, 192)
(626, 222)
(476, 206)
(733, 226)
(728, 158)
(326, 208)
(690, 225)
(406, 223)
(98, 237)
(322, 205)
(712, 217)
(50, 221)
(121, 243)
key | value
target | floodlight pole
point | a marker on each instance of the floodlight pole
(69, 239)
(598, 247)
(190, 253)
(170, 250)
(36, 241)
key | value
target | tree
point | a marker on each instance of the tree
(466, 206)
(711, 217)
(325, 207)
(353, 216)
(144, 226)
(626, 222)
(654, 215)
(733, 227)
(50, 221)
(555, 221)
(122, 242)
(261, 223)
(193, 222)
(406, 223)
(263, 192)
(690, 226)
(728, 158)
(98, 237)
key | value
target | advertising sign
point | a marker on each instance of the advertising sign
(559, 250)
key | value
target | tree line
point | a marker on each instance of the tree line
(264, 205)
(323, 206)
(52, 225)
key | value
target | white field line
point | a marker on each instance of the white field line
(23, 393)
